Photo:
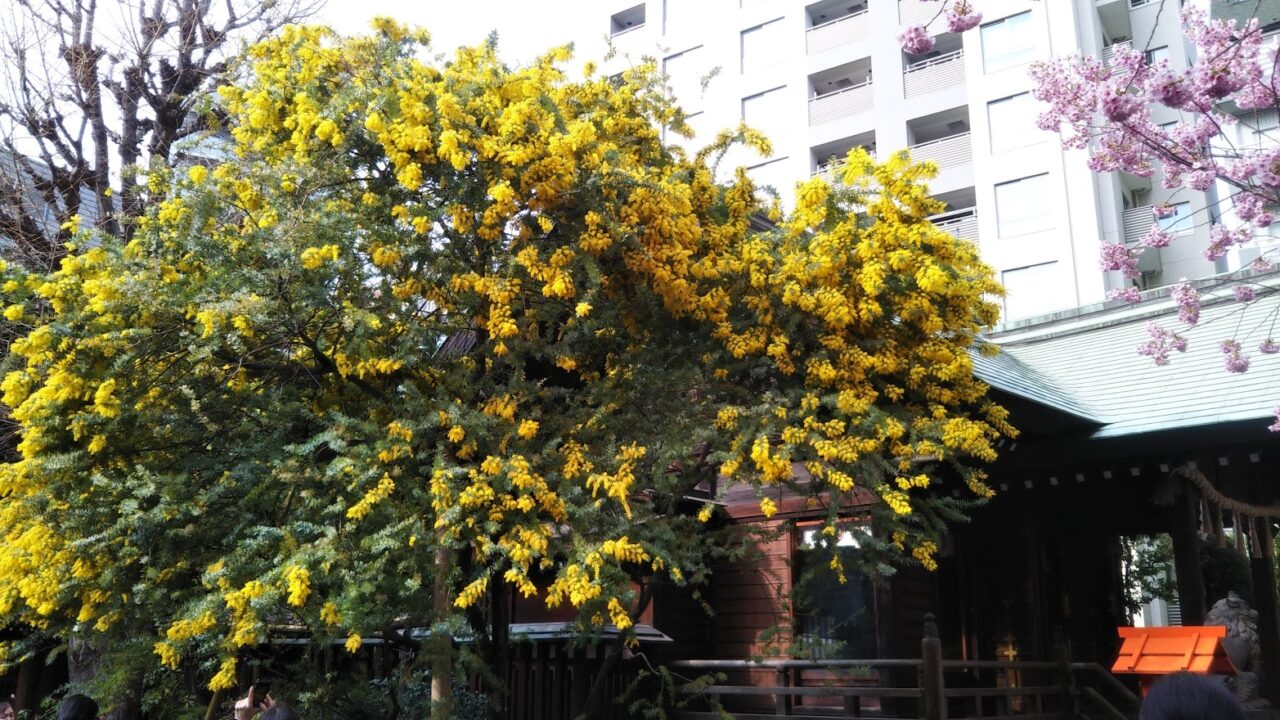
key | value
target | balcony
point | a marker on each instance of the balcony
(840, 31)
(841, 103)
(946, 153)
(917, 12)
(831, 172)
(1137, 223)
(938, 73)
(627, 21)
(960, 223)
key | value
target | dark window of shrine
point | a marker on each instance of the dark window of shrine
(833, 619)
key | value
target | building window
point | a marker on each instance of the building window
(773, 175)
(1012, 121)
(1155, 55)
(1022, 206)
(1180, 222)
(766, 112)
(833, 619)
(761, 45)
(627, 20)
(1025, 291)
(702, 132)
(1008, 42)
(684, 76)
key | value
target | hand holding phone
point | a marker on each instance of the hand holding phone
(258, 699)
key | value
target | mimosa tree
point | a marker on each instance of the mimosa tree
(431, 332)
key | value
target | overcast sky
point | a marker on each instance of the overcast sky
(525, 29)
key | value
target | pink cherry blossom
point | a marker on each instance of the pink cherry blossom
(1188, 302)
(915, 41)
(1233, 357)
(1275, 426)
(961, 17)
(1156, 237)
(1107, 110)
(1221, 239)
(1160, 343)
(1168, 88)
(1116, 256)
(1129, 294)
(1118, 105)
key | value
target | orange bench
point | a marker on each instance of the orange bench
(1154, 651)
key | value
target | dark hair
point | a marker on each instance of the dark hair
(280, 711)
(78, 707)
(1183, 696)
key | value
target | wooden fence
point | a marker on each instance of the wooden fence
(928, 688)
(551, 681)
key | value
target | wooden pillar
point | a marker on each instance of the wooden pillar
(1264, 601)
(932, 684)
(1186, 555)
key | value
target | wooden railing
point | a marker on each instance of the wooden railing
(928, 688)
(835, 33)
(934, 74)
(841, 103)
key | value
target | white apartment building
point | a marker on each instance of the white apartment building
(821, 77)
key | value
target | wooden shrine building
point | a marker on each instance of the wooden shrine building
(1112, 449)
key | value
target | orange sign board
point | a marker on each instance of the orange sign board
(1165, 650)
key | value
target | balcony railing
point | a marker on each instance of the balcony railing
(1109, 52)
(960, 223)
(1137, 222)
(917, 12)
(626, 31)
(835, 33)
(934, 74)
(841, 103)
(947, 152)
(832, 171)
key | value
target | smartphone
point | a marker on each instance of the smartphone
(260, 692)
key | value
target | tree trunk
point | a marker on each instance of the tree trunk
(595, 699)
(440, 644)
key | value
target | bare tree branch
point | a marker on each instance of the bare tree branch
(97, 94)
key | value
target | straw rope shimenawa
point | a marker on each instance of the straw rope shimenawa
(1247, 512)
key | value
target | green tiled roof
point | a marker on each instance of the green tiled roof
(1268, 11)
(1086, 363)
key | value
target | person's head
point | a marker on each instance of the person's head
(78, 707)
(1184, 696)
(280, 711)
(7, 711)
